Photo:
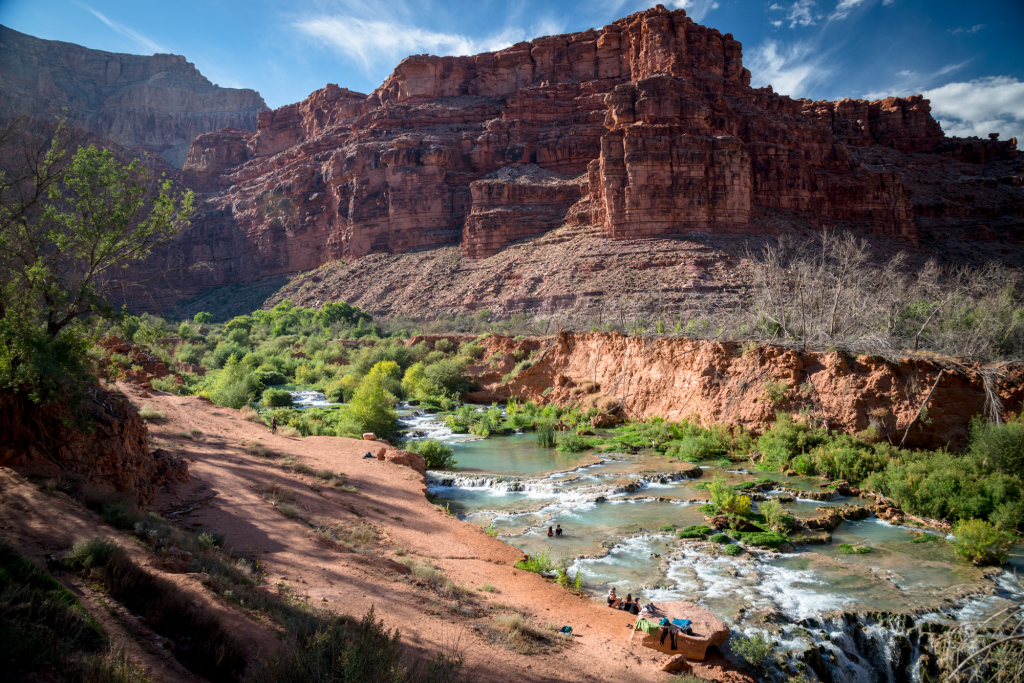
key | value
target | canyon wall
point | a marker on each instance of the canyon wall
(642, 129)
(160, 102)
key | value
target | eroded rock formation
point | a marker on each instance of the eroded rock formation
(647, 127)
(160, 102)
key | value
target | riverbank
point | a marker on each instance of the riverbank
(234, 464)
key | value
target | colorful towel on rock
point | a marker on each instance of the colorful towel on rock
(648, 627)
(682, 623)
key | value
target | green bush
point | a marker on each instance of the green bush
(540, 563)
(733, 550)
(999, 446)
(190, 354)
(470, 350)
(271, 378)
(234, 386)
(437, 455)
(694, 531)
(775, 516)
(786, 439)
(763, 539)
(980, 542)
(225, 350)
(448, 374)
(277, 398)
(667, 527)
(571, 442)
(545, 435)
(755, 650)
(719, 538)
(854, 549)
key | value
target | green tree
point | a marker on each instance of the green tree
(71, 224)
(203, 318)
(372, 408)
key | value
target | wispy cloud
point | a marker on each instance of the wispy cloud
(801, 13)
(790, 69)
(695, 9)
(984, 105)
(844, 8)
(373, 42)
(972, 29)
(125, 31)
(950, 68)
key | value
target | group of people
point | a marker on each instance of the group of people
(630, 605)
(557, 531)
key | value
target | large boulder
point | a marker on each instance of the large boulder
(706, 630)
(411, 460)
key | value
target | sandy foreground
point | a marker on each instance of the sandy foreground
(223, 497)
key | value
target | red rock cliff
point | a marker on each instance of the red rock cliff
(651, 120)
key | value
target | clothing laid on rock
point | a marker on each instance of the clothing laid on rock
(648, 627)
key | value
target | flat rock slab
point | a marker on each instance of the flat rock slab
(707, 630)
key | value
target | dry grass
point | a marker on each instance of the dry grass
(351, 538)
(150, 413)
(290, 432)
(336, 479)
(249, 413)
(517, 632)
(258, 450)
(275, 494)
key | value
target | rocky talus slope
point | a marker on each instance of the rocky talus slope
(160, 102)
(645, 128)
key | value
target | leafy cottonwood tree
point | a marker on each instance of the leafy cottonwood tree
(71, 225)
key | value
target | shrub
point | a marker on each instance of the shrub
(540, 563)
(190, 354)
(248, 414)
(470, 350)
(1000, 446)
(667, 527)
(150, 413)
(545, 435)
(980, 543)
(775, 391)
(276, 398)
(437, 455)
(225, 350)
(271, 378)
(764, 539)
(448, 375)
(444, 345)
(719, 538)
(775, 516)
(733, 550)
(290, 432)
(787, 438)
(754, 650)
(854, 549)
(571, 442)
(694, 531)
(234, 386)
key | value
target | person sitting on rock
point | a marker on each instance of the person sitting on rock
(632, 606)
(558, 530)
(550, 532)
(613, 600)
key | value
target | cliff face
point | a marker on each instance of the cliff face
(715, 382)
(649, 124)
(160, 102)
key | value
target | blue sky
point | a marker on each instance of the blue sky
(968, 57)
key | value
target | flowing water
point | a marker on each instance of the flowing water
(830, 610)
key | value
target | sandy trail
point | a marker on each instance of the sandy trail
(224, 497)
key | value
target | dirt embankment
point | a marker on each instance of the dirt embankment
(100, 438)
(727, 382)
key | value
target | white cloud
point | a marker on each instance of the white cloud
(906, 73)
(144, 42)
(776, 24)
(973, 29)
(984, 105)
(800, 13)
(776, 6)
(790, 70)
(844, 8)
(695, 9)
(888, 2)
(949, 68)
(373, 42)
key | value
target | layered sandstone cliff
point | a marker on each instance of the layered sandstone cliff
(160, 102)
(649, 124)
